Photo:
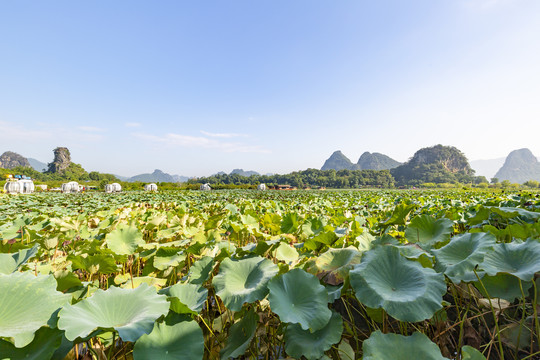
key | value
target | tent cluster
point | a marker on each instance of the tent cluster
(150, 187)
(71, 187)
(205, 187)
(114, 187)
(261, 187)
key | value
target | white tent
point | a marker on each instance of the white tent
(19, 187)
(114, 187)
(206, 187)
(261, 187)
(150, 187)
(71, 187)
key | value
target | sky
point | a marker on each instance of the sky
(196, 87)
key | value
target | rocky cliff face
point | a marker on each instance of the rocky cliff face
(520, 166)
(10, 160)
(62, 159)
(338, 161)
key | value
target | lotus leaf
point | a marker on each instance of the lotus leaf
(240, 335)
(11, 262)
(428, 231)
(521, 260)
(187, 297)
(245, 280)
(398, 347)
(504, 286)
(405, 289)
(312, 345)
(124, 240)
(131, 312)
(183, 340)
(470, 353)
(298, 298)
(286, 253)
(132, 283)
(460, 256)
(200, 271)
(27, 303)
(334, 264)
(167, 257)
(43, 346)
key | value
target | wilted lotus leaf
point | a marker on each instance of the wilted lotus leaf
(334, 265)
(131, 312)
(312, 345)
(183, 340)
(405, 289)
(298, 298)
(460, 256)
(245, 280)
(124, 240)
(428, 231)
(240, 335)
(27, 303)
(398, 347)
(187, 298)
(521, 260)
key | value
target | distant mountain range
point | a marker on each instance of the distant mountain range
(487, 168)
(160, 176)
(37, 165)
(367, 161)
(520, 166)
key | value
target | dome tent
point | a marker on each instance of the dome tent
(205, 187)
(114, 187)
(261, 187)
(150, 187)
(71, 187)
(25, 186)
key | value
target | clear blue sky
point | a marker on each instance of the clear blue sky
(196, 87)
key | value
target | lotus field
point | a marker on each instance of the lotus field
(270, 275)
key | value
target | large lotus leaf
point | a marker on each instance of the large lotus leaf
(510, 212)
(286, 253)
(27, 303)
(460, 256)
(521, 260)
(312, 345)
(100, 263)
(183, 340)
(470, 353)
(131, 312)
(428, 231)
(398, 347)
(298, 298)
(334, 265)
(43, 346)
(245, 280)
(504, 286)
(187, 298)
(399, 215)
(200, 271)
(405, 289)
(240, 335)
(124, 240)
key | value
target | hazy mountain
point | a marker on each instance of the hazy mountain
(338, 161)
(520, 166)
(487, 168)
(37, 165)
(157, 176)
(437, 164)
(376, 161)
(241, 172)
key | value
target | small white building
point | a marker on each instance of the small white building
(25, 186)
(205, 187)
(261, 187)
(43, 187)
(150, 187)
(114, 187)
(71, 187)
